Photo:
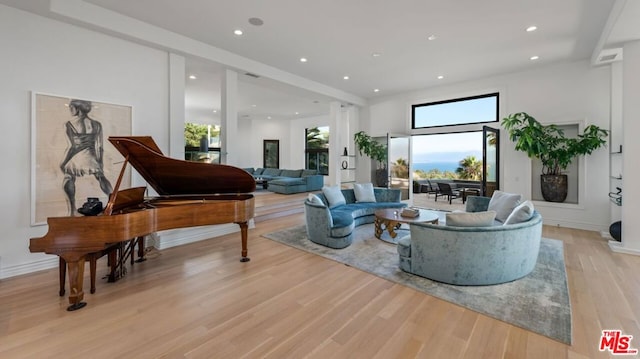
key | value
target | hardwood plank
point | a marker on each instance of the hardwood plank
(199, 301)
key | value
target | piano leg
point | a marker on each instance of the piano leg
(244, 231)
(75, 268)
(93, 258)
(141, 257)
(62, 271)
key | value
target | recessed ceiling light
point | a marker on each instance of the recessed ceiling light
(238, 32)
(376, 54)
(256, 21)
(303, 59)
(432, 37)
(532, 28)
(297, 113)
(193, 77)
(440, 77)
(376, 90)
(345, 77)
(534, 57)
(268, 117)
(253, 105)
(215, 111)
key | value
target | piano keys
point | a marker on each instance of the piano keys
(190, 194)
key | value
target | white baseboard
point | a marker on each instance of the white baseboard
(30, 267)
(617, 247)
(573, 224)
(178, 237)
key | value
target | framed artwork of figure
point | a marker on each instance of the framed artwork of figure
(71, 158)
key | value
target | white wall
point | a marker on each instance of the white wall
(631, 126)
(557, 93)
(50, 57)
(258, 130)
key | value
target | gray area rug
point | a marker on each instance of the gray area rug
(538, 302)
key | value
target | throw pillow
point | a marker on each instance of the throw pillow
(470, 219)
(334, 196)
(364, 192)
(520, 214)
(503, 203)
(314, 199)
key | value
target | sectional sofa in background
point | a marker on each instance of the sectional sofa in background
(288, 181)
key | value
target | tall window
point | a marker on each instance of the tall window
(317, 149)
(460, 111)
(201, 143)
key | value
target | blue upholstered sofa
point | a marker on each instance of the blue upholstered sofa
(472, 255)
(333, 227)
(288, 181)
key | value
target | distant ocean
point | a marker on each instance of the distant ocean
(442, 166)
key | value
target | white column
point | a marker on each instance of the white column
(230, 141)
(177, 73)
(335, 123)
(631, 147)
(615, 136)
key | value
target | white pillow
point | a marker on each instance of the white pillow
(312, 198)
(364, 192)
(334, 196)
(503, 203)
(520, 214)
(470, 219)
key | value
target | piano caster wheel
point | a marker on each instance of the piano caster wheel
(76, 306)
(245, 259)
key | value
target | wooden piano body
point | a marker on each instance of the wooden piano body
(190, 194)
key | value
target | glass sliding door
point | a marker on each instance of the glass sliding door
(399, 147)
(490, 160)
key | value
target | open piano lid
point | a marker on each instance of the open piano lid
(169, 176)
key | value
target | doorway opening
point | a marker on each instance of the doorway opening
(466, 163)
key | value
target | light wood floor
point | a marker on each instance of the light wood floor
(199, 301)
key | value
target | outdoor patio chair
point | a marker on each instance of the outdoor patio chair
(445, 190)
(429, 188)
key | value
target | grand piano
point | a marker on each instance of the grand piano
(189, 194)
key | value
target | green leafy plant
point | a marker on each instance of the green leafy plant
(369, 147)
(400, 168)
(469, 168)
(193, 132)
(548, 142)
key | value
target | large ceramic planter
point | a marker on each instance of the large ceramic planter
(554, 187)
(382, 177)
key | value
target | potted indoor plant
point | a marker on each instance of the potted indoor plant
(377, 151)
(549, 144)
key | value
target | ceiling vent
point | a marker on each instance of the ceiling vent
(608, 56)
(252, 75)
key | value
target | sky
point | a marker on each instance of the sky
(447, 147)
(476, 110)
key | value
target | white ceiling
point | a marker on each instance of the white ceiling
(474, 39)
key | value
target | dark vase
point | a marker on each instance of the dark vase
(554, 187)
(615, 229)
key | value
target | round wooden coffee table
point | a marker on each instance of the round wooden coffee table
(390, 219)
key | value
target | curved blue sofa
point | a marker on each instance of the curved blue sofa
(472, 255)
(333, 227)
